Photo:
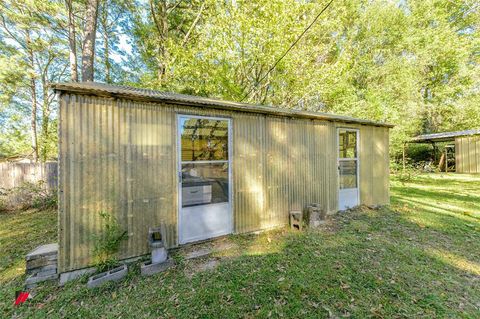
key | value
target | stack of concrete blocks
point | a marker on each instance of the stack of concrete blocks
(315, 215)
(41, 265)
(160, 261)
(296, 219)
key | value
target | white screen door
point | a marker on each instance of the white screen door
(348, 194)
(204, 178)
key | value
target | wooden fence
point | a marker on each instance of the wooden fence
(15, 174)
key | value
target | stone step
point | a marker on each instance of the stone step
(41, 262)
(40, 269)
(32, 280)
(43, 251)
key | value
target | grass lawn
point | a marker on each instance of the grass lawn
(418, 258)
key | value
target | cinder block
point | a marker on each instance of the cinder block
(32, 280)
(159, 255)
(46, 272)
(155, 237)
(41, 262)
(40, 269)
(75, 274)
(296, 219)
(72, 275)
(115, 274)
(148, 268)
(315, 215)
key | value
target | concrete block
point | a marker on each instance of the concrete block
(43, 251)
(198, 253)
(39, 269)
(32, 280)
(115, 274)
(46, 272)
(155, 237)
(159, 255)
(41, 262)
(148, 268)
(72, 275)
(296, 219)
(75, 274)
(315, 215)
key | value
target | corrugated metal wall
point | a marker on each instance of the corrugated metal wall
(467, 154)
(120, 156)
(374, 165)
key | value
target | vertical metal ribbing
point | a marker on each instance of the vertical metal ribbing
(132, 170)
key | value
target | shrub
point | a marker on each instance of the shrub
(28, 195)
(107, 243)
(3, 202)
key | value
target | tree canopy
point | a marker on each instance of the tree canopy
(412, 63)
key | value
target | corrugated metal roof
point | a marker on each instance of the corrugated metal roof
(102, 89)
(443, 137)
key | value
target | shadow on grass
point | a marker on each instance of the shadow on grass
(364, 264)
(472, 200)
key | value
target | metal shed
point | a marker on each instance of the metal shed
(202, 167)
(466, 148)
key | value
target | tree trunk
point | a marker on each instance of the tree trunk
(160, 18)
(33, 92)
(33, 119)
(88, 49)
(72, 39)
(45, 121)
(106, 43)
(107, 59)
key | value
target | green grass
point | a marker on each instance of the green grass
(418, 258)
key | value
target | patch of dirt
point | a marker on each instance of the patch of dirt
(207, 255)
(193, 267)
(214, 247)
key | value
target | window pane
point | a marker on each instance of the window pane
(204, 139)
(204, 184)
(348, 174)
(347, 144)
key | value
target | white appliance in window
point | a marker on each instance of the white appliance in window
(204, 178)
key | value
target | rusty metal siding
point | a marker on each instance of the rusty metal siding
(467, 154)
(120, 156)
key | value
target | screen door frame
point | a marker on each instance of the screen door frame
(179, 163)
(356, 159)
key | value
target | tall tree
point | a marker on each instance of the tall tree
(88, 48)
(27, 32)
(72, 41)
(159, 14)
(111, 57)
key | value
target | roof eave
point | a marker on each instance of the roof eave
(219, 104)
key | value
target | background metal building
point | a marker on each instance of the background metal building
(465, 144)
(118, 153)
